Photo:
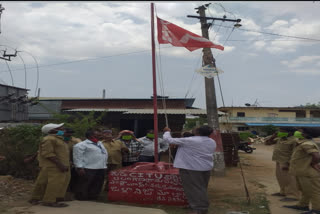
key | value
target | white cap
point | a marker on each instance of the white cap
(47, 128)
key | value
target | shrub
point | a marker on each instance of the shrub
(269, 129)
(80, 122)
(16, 143)
(244, 135)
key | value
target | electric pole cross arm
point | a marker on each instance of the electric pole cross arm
(213, 18)
(8, 55)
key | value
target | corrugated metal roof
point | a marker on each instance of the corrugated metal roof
(146, 111)
(270, 107)
(284, 124)
(99, 98)
(10, 86)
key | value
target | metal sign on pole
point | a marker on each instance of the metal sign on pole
(209, 71)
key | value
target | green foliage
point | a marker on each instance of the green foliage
(269, 129)
(16, 143)
(80, 122)
(311, 105)
(192, 122)
(244, 135)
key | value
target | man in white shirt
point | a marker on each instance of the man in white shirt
(194, 159)
(147, 154)
(90, 159)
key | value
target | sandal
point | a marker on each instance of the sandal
(54, 204)
(297, 207)
(34, 201)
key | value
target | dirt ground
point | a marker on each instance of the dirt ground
(225, 193)
(259, 173)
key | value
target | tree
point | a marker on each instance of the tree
(311, 105)
(80, 122)
(193, 122)
(269, 129)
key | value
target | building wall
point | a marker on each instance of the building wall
(114, 103)
(11, 110)
(255, 112)
(257, 115)
(44, 110)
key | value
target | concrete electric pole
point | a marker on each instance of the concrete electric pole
(211, 102)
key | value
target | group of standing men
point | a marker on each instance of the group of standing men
(297, 159)
(63, 158)
(68, 164)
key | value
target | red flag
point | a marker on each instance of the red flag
(177, 36)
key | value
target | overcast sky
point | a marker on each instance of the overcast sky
(85, 47)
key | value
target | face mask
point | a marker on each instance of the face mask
(126, 137)
(66, 138)
(150, 136)
(298, 135)
(60, 133)
(282, 134)
(93, 139)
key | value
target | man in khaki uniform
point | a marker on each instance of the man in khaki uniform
(54, 163)
(281, 155)
(116, 149)
(305, 166)
(71, 141)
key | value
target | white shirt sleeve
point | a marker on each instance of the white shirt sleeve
(105, 150)
(163, 145)
(78, 151)
(177, 141)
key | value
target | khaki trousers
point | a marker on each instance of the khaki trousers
(310, 188)
(64, 186)
(51, 184)
(287, 182)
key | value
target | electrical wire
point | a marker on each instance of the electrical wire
(38, 73)
(220, 89)
(211, 26)
(25, 71)
(226, 41)
(83, 60)
(10, 72)
(281, 40)
(193, 77)
(161, 84)
(276, 34)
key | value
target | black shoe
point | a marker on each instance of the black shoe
(34, 201)
(297, 207)
(278, 194)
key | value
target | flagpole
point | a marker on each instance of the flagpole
(155, 110)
